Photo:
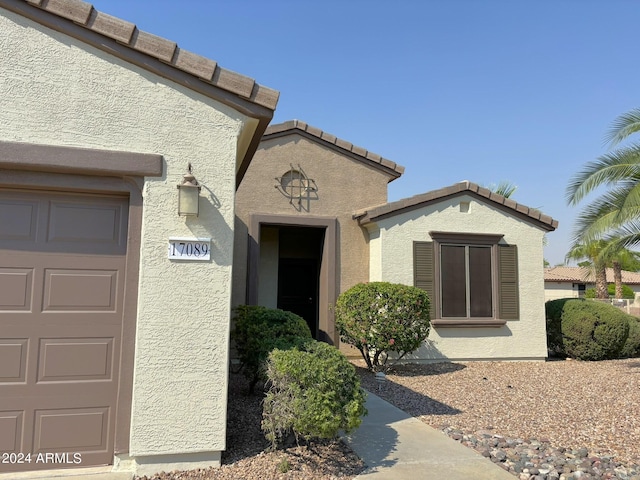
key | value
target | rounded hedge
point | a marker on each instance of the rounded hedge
(314, 391)
(627, 292)
(258, 330)
(586, 329)
(631, 347)
(382, 317)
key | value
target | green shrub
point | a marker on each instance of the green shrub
(631, 347)
(258, 330)
(627, 292)
(380, 317)
(314, 391)
(585, 329)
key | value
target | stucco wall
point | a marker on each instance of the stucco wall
(553, 290)
(344, 185)
(56, 90)
(519, 339)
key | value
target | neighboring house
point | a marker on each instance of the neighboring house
(109, 349)
(568, 282)
(312, 221)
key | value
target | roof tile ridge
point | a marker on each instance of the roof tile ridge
(457, 188)
(335, 140)
(167, 51)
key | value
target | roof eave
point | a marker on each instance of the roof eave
(530, 215)
(390, 168)
(160, 56)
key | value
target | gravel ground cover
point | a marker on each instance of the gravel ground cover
(538, 420)
(541, 420)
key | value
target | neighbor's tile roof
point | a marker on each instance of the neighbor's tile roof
(532, 215)
(166, 51)
(585, 275)
(373, 159)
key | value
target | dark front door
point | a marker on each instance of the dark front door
(298, 289)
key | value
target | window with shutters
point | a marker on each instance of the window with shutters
(471, 279)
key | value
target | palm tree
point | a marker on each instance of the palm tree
(615, 215)
(618, 258)
(610, 254)
(504, 188)
(592, 252)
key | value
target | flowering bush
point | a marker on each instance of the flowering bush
(380, 317)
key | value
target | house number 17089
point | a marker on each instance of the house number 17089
(189, 248)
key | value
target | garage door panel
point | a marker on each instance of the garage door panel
(75, 359)
(18, 220)
(13, 360)
(84, 224)
(11, 430)
(16, 285)
(75, 430)
(62, 283)
(84, 290)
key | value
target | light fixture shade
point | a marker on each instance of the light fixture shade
(189, 194)
(188, 200)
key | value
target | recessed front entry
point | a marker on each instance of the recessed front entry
(299, 261)
(62, 284)
(292, 266)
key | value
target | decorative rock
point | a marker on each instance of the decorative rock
(537, 459)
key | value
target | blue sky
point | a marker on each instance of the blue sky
(452, 90)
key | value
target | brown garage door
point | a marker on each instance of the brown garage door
(62, 266)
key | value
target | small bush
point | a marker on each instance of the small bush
(313, 392)
(631, 347)
(380, 317)
(258, 330)
(627, 292)
(585, 329)
(284, 466)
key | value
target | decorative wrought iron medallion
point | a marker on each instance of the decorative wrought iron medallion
(297, 187)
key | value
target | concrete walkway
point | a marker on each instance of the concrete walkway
(396, 446)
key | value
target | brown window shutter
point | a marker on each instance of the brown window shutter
(508, 299)
(424, 270)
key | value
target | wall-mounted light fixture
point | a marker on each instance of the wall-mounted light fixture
(188, 194)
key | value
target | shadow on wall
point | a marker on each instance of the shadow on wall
(503, 331)
(215, 228)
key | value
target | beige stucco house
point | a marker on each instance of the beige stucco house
(479, 256)
(572, 282)
(313, 220)
(297, 245)
(114, 347)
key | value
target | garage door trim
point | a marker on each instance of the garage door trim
(126, 184)
(86, 161)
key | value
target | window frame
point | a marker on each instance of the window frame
(468, 283)
(465, 239)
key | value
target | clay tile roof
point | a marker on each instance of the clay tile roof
(585, 275)
(370, 158)
(407, 204)
(127, 34)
